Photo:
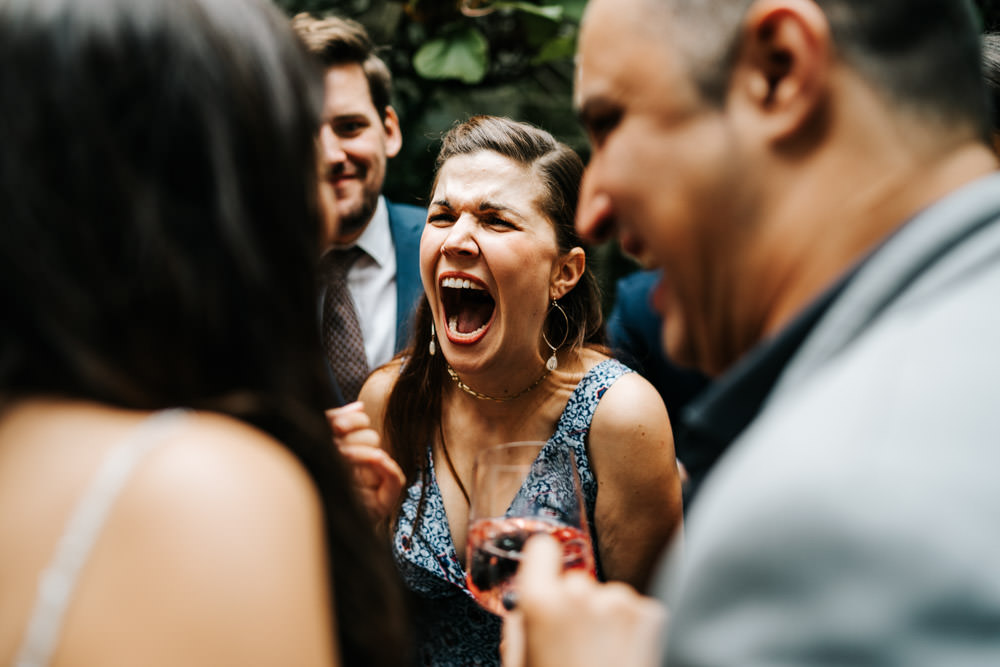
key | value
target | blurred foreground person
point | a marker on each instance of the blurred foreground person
(168, 491)
(815, 181)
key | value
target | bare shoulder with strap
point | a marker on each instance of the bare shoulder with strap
(58, 580)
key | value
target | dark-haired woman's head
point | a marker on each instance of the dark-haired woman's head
(157, 171)
(159, 231)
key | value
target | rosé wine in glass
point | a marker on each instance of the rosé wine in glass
(521, 489)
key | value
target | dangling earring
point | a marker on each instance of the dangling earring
(431, 347)
(553, 361)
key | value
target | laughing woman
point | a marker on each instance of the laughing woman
(508, 348)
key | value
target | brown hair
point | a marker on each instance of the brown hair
(337, 41)
(413, 411)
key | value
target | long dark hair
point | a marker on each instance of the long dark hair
(158, 235)
(413, 410)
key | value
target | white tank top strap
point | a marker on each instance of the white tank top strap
(58, 580)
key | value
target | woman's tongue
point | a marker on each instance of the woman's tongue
(469, 318)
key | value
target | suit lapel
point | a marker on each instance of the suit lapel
(406, 224)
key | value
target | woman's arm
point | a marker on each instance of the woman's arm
(638, 506)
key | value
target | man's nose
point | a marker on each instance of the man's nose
(330, 143)
(594, 214)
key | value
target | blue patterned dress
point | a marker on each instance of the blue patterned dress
(452, 630)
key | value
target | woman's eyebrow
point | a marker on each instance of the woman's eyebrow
(493, 206)
(484, 206)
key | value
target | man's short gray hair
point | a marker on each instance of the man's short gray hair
(922, 55)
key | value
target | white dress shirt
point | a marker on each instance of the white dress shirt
(372, 283)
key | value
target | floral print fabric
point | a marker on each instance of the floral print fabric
(451, 629)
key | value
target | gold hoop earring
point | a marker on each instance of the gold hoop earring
(553, 361)
(431, 347)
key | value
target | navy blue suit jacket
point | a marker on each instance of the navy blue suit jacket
(406, 223)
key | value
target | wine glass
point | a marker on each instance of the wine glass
(520, 489)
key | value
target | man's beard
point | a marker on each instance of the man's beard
(356, 220)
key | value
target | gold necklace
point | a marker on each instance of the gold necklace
(485, 397)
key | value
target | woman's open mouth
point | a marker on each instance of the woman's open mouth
(468, 307)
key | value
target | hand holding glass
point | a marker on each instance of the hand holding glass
(520, 489)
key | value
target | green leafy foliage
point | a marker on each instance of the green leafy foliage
(462, 54)
(553, 12)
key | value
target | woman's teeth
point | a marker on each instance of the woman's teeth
(453, 327)
(468, 307)
(460, 283)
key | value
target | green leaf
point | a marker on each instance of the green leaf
(573, 9)
(551, 12)
(536, 31)
(461, 54)
(560, 48)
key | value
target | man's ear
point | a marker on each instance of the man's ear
(783, 66)
(393, 133)
(567, 273)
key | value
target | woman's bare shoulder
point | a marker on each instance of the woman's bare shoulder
(383, 379)
(375, 392)
(216, 537)
(235, 518)
(215, 467)
(630, 421)
(629, 402)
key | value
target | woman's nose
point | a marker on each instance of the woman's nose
(461, 238)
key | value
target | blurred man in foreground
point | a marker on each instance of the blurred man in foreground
(813, 177)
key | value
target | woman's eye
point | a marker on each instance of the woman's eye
(439, 218)
(500, 222)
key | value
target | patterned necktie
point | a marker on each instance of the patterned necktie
(342, 339)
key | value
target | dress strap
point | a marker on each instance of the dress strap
(58, 580)
(573, 431)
